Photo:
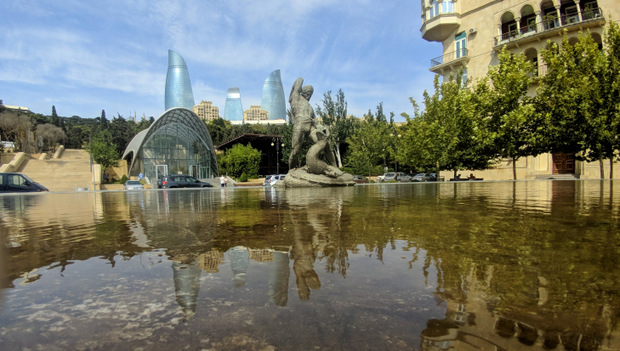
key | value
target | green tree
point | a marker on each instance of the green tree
(370, 145)
(334, 115)
(450, 133)
(102, 150)
(122, 131)
(240, 159)
(511, 124)
(54, 119)
(578, 98)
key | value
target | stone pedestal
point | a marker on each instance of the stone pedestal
(300, 178)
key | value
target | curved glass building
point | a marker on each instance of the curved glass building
(233, 111)
(178, 86)
(273, 96)
(177, 142)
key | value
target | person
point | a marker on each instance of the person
(222, 181)
(106, 178)
(471, 176)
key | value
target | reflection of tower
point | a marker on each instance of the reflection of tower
(278, 278)
(273, 96)
(239, 261)
(186, 286)
(233, 111)
(178, 86)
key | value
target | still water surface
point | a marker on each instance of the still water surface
(531, 265)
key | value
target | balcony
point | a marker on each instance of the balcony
(549, 27)
(440, 27)
(448, 61)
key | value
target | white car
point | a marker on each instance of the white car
(276, 178)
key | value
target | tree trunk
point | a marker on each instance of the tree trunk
(337, 152)
(611, 168)
(601, 168)
(514, 168)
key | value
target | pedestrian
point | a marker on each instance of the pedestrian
(222, 181)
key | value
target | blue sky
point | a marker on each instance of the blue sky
(85, 56)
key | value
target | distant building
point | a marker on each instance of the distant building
(255, 113)
(206, 111)
(233, 110)
(178, 86)
(273, 96)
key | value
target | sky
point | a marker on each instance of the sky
(87, 56)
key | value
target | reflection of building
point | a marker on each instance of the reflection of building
(178, 86)
(233, 110)
(279, 272)
(186, 286)
(255, 113)
(210, 260)
(178, 142)
(273, 96)
(206, 111)
(239, 262)
(472, 34)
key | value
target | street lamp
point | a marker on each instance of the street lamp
(276, 142)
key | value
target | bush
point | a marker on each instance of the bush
(243, 178)
(123, 179)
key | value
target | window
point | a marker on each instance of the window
(461, 44)
(434, 9)
(447, 6)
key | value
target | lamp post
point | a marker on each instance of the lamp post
(276, 142)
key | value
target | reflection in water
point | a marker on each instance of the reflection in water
(474, 266)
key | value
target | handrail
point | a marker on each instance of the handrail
(550, 24)
(450, 56)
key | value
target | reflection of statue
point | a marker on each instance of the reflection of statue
(278, 278)
(321, 167)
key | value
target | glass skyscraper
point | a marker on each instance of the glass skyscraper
(178, 86)
(273, 96)
(233, 111)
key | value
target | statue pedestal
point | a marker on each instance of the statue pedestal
(300, 178)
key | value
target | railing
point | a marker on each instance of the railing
(451, 56)
(550, 24)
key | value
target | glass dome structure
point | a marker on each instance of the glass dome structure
(273, 96)
(233, 111)
(177, 142)
(178, 86)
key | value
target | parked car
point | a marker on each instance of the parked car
(404, 177)
(18, 183)
(276, 178)
(133, 185)
(182, 181)
(267, 179)
(425, 177)
(360, 179)
(395, 176)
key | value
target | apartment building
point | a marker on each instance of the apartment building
(473, 32)
(255, 113)
(206, 111)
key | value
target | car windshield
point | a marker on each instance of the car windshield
(133, 182)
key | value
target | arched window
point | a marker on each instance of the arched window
(509, 26)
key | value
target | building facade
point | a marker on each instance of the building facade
(206, 111)
(178, 86)
(178, 142)
(255, 113)
(273, 96)
(473, 33)
(233, 110)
